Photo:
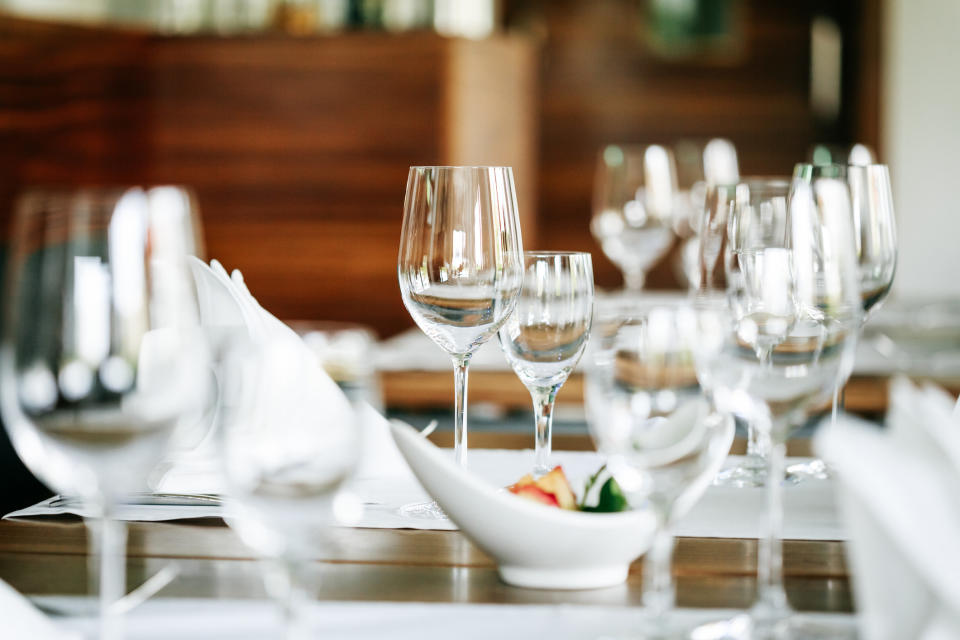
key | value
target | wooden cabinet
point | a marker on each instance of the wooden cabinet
(298, 148)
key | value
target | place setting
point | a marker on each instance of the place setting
(271, 443)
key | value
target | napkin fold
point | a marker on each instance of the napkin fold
(295, 389)
(898, 498)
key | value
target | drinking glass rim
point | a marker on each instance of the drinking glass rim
(553, 254)
(461, 166)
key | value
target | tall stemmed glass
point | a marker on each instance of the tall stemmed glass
(663, 442)
(875, 233)
(698, 167)
(546, 334)
(633, 206)
(290, 438)
(816, 262)
(460, 267)
(744, 224)
(102, 355)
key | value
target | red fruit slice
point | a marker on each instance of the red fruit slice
(535, 493)
(555, 483)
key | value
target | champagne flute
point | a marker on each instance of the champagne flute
(745, 223)
(875, 234)
(460, 269)
(802, 369)
(664, 443)
(546, 334)
(633, 206)
(103, 359)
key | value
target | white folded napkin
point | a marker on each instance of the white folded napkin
(898, 495)
(22, 620)
(296, 389)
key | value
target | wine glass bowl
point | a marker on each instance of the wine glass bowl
(634, 201)
(548, 331)
(874, 223)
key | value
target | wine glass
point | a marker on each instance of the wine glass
(663, 441)
(460, 268)
(546, 334)
(803, 367)
(875, 233)
(745, 224)
(698, 167)
(103, 359)
(633, 206)
(290, 439)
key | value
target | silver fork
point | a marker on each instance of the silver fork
(151, 499)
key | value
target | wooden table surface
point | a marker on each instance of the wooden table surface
(433, 389)
(46, 557)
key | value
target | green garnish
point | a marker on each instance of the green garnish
(611, 498)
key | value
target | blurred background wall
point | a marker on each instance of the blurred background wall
(921, 135)
(295, 121)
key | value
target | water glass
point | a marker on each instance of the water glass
(103, 361)
(663, 440)
(548, 331)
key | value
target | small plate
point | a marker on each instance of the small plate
(534, 545)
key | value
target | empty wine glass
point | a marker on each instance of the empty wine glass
(744, 223)
(103, 359)
(698, 167)
(802, 368)
(460, 268)
(633, 207)
(290, 438)
(546, 334)
(663, 441)
(875, 234)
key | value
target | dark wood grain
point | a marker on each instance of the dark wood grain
(434, 389)
(297, 148)
(601, 83)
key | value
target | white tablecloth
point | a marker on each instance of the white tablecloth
(186, 619)
(722, 512)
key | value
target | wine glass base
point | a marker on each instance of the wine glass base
(745, 474)
(792, 627)
(814, 470)
(736, 628)
(423, 511)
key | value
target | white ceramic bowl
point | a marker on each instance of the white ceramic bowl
(534, 545)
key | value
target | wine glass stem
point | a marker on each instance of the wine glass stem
(284, 583)
(771, 595)
(658, 591)
(758, 444)
(543, 398)
(634, 280)
(460, 409)
(108, 545)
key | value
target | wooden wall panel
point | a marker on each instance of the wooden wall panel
(297, 148)
(601, 83)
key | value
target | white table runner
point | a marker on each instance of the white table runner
(723, 512)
